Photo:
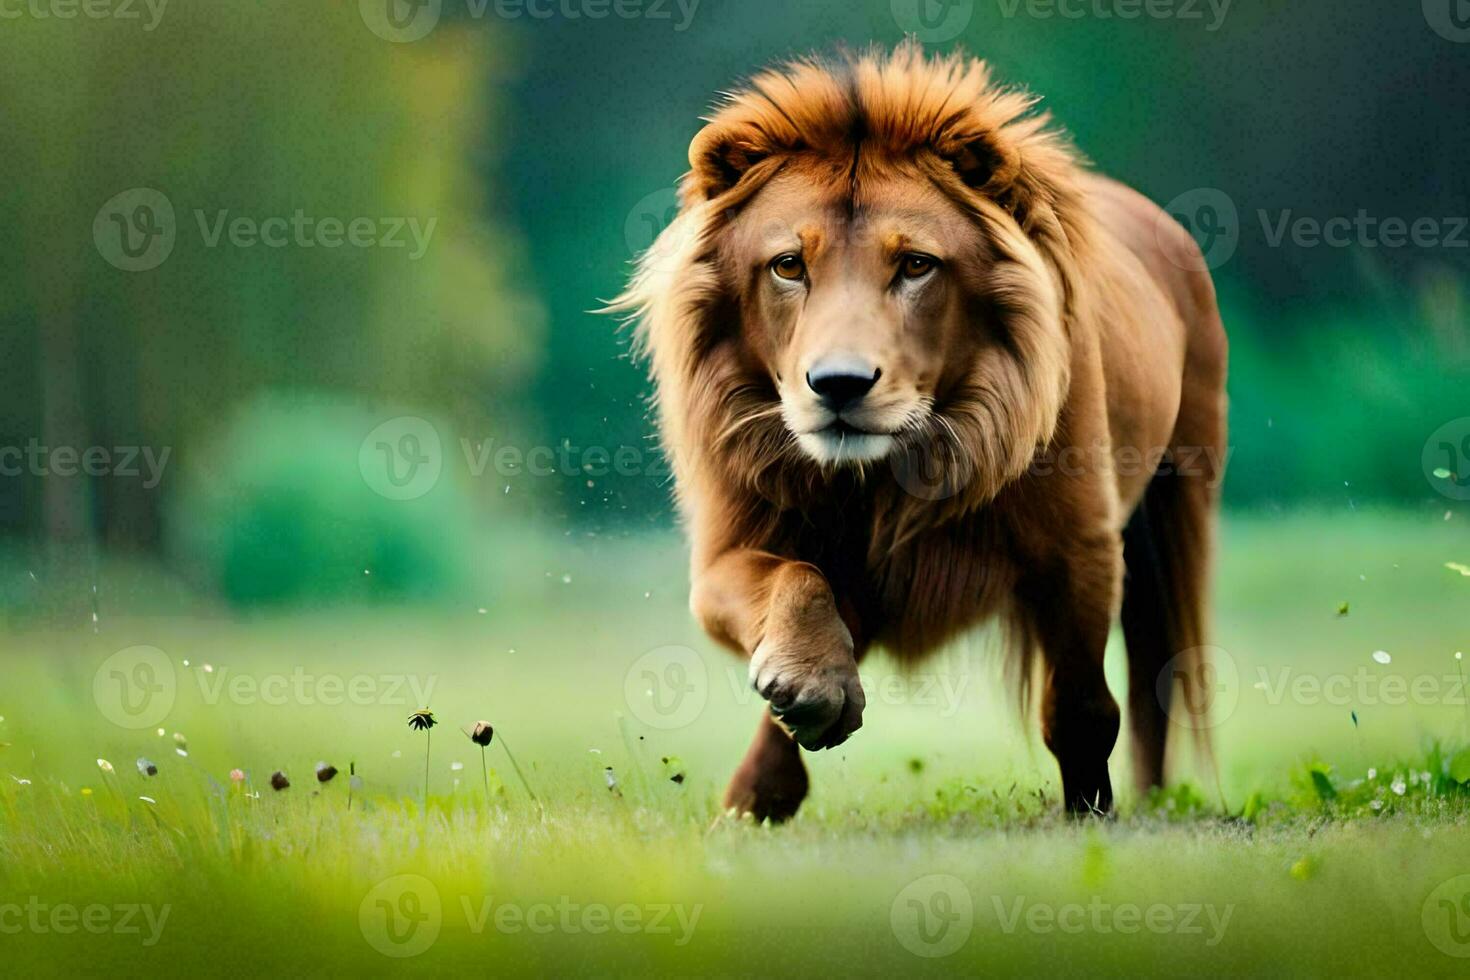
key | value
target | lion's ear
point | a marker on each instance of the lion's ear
(721, 156)
(979, 161)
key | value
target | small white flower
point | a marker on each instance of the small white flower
(104, 765)
(1398, 786)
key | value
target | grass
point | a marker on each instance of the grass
(1330, 842)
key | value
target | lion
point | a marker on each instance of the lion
(916, 367)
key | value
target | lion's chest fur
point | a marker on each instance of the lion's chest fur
(913, 596)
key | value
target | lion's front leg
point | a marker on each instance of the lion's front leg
(771, 781)
(782, 614)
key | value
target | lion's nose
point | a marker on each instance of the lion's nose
(842, 381)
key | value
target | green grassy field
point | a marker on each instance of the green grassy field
(1331, 841)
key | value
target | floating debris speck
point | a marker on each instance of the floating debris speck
(279, 781)
(1382, 656)
(147, 768)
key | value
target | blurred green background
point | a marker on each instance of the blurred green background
(534, 149)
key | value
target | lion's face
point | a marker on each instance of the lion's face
(855, 308)
(872, 260)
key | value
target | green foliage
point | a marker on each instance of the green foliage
(278, 513)
(251, 111)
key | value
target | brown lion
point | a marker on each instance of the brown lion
(916, 367)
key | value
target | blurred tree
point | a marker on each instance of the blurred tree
(268, 110)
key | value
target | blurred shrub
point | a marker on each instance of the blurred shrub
(277, 511)
(1333, 404)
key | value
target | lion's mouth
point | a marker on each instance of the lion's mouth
(841, 428)
(841, 442)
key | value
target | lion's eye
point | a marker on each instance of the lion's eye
(916, 266)
(789, 267)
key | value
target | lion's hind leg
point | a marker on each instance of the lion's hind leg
(1168, 549)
